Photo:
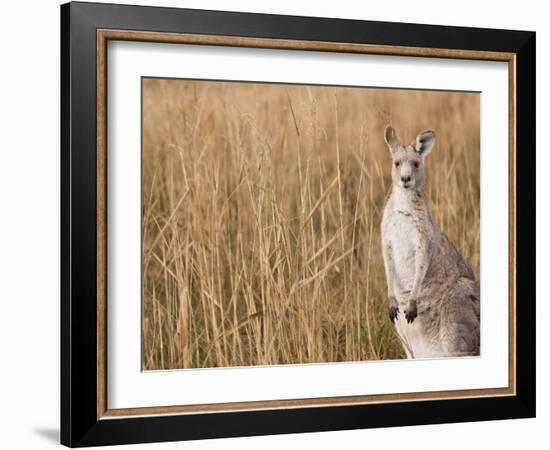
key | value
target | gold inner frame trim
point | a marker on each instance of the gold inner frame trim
(103, 36)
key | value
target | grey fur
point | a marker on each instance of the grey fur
(432, 291)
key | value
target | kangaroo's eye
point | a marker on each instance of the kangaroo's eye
(415, 164)
(397, 163)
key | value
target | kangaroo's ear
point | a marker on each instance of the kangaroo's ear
(391, 138)
(425, 142)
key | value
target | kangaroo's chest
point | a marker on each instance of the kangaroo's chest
(403, 235)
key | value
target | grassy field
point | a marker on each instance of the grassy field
(261, 217)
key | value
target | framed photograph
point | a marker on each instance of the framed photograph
(276, 224)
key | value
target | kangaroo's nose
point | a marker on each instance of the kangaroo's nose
(406, 179)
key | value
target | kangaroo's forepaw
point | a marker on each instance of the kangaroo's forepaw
(393, 311)
(411, 312)
(394, 308)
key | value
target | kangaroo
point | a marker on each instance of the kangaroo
(432, 291)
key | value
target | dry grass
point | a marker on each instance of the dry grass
(261, 214)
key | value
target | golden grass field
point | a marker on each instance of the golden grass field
(261, 217)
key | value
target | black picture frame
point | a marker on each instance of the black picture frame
(80, 425)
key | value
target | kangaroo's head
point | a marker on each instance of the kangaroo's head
(408, 159)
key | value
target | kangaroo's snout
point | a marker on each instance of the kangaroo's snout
(406, 181)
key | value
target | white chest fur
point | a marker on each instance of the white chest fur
(402, 235)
